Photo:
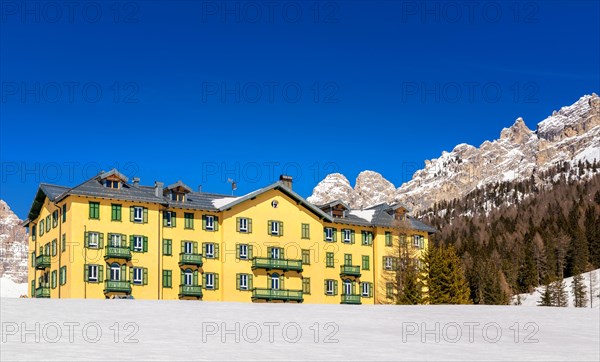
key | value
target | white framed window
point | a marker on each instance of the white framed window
(138, 276)
(347, 235)
(115, 272)
(188, 277)
(138, 214)
(169, 218)
(416, 241)
(329, 234)
(210, 222)
(330, 284)
(275, 253)
(275, 228)
(210, 250)
(275, 281)
(347, 287)
(93, 240)
(115, 240)
(138, 243)
(243, 281)
(388, 263)
(93, 273)
(365, 289)
(210, 281)
(244, 225)
(188, 247)
(243, 251)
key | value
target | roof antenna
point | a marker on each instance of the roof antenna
(233, 185)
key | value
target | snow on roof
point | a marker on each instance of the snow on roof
(218, 203)
(367, 215)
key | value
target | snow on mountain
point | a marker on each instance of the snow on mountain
(105, 330)
(568, 135)
(533, 299)
(10, 289)
(13, 246)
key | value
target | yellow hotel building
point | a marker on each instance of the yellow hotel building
(109, 238)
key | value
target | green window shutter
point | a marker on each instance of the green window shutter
(237, 222)
(173, 219)
(54, 247)
(334, 235)
(86, 239)
(352, 237)
(100, 273)
(130, 273)
(250, 253)
(250, 285)
(204, 249)
(145, 276)
(64, 213)
(335, 287)
(53, 279)
(216, 248)
(269, 248)
(145, 215)
(324, 234)
(182, 246)
(165, 219)
(216, 281)
(216, 223)
(269, 225)
(195, 277)
(145, 244)
(203, 279)
(325, 287)
(164, 278)
(370, 289)
(86, 274)
(249, 225)
(237, 251)
(238, 276)
(100, 240)
(281, 228)
(203, 222)
(195, 247)
(131, 213)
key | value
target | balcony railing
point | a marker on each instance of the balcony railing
(351, 299)
(190, 291)
(42, 262)
(117, 252)
(282, 264)
(285, 295)
(190, 259)
(42, 292)
(117, 286)
(350, 271)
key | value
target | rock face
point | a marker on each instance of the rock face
(13, 246)
(571, 134)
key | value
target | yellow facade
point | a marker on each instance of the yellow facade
(139, 255)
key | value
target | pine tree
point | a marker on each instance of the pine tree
(560, 296)
(411, 292)
(444, 279)
(547, 296)
(579, 292)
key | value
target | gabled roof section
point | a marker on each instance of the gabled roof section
(179, 185)
(52, 192)
(114, 172)
(334, 203)
(399, 205)
(284, 189)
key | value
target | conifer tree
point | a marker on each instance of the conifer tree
(547, 299)
(560, 296)
(579, 292)
(444, 279)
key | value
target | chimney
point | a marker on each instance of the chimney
(136, 181)
(199, 188)
(286, 181)
(158, 189)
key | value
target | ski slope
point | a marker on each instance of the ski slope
(533, 299)
(189, 330)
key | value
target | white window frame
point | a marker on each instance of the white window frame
(388, 263)
(330, 284)
(275, 253)
(115, 273)
(138, 210)
(188, 247)
(243, 281)
(136, 239)
(243, 224)
(210, 222)
(365, 289)
(416, 241)
(188, 277)
(93, 239)
(347, 235)
(92, 273)
(115, 240)
(210, 281)
(138, 279)
(210, 250)
(244, 251)
(275, 282)
(275, 228)
(347, 287)
(169, 220)
(329, 234)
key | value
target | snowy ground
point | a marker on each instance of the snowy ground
(10, 289)
(188, 330)
(532, 299)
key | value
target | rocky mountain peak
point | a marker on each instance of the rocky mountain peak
(13, 245)
(517, 133)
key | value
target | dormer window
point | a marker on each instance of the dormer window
(177, 196)
(111, 184)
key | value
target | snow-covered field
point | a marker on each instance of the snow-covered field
(532, 299)
(10, 289)
(188, 330)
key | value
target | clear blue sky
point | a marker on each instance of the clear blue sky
(196, 91)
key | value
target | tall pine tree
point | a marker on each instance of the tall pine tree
(444, 277)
